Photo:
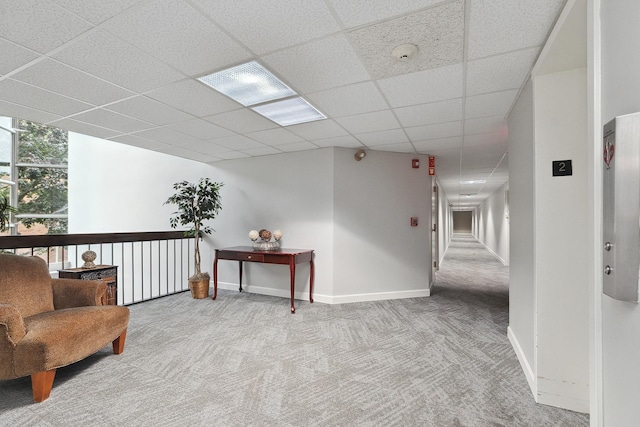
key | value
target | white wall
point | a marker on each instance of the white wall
(620, 320)
(522, 292)
(444, 224)
(561, 266)
(378, 254)
(493, 224)
(355, 215)
(292, 192)
(119, 188)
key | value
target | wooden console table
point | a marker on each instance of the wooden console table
(289, 257)
(106, 273)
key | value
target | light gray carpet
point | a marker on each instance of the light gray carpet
(245, 360)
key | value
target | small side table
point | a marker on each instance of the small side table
(289, 257)
(106, 273)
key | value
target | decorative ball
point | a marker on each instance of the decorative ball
(88, 257)
(253, 235)
(265, 235)
(277, 234)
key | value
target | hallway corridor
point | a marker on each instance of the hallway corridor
(472, 292)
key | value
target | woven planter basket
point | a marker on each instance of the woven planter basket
(199, 288)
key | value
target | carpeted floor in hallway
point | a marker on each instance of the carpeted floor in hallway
(245, 360)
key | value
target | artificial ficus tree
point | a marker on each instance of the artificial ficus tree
(196, 204)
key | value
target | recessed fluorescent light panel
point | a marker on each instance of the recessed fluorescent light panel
(249, 84)
(473, 181)
(290, 111)
(254, 86)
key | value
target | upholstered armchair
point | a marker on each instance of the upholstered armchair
(48, 323)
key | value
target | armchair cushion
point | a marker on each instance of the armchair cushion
(61, 337)
(68, 293)
(25, 284)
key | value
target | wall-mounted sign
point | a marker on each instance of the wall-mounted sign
(562, 168)
(432, 165)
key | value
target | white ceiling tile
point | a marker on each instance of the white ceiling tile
(346, 141)
(238, 142)
(481, 158)
(116, 61)
(396, 148)
(485, 139)
(504, 25)
(60, 78)
(167, 136)
(435, 131)
(193, 97)
(85, 128)
(297, 146)
(438, 33)
(177, 34)
(110, 120)
(55, 25)
(207, 147)
(14, 110)
(438, 144)
(447, 159)
(318, 65)
(385, 137)
(14, 56)
(149, 110)
(426, 114)
(493, 124)
(349, 100)
(369, 122)
(201, 129)
(358, 12)
(500, 72)
(96, 11)
(318, 130)
(490, 104)
(274, 136)
(241, 121)
(262, 151)
(139, 142)
(30, 96)
(232, 155)
(192, 155)
(268, 26)
(422, 87)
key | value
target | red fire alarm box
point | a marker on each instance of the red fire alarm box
(415, 163)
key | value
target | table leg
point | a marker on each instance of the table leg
(215, 277)
(292, 268)
(240, 270)
(311, 275)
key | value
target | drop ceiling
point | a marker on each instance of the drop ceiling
(124, 70)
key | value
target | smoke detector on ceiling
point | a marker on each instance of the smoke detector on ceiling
(404, 52)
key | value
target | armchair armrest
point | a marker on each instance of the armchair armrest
(68, 293)
(11, 325)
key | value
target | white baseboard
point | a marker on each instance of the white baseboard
(524, 363)
(380, 296)
(574, 397)
(328, 299)
(498, 257)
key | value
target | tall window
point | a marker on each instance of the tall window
(7, 185)
(33, 174)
